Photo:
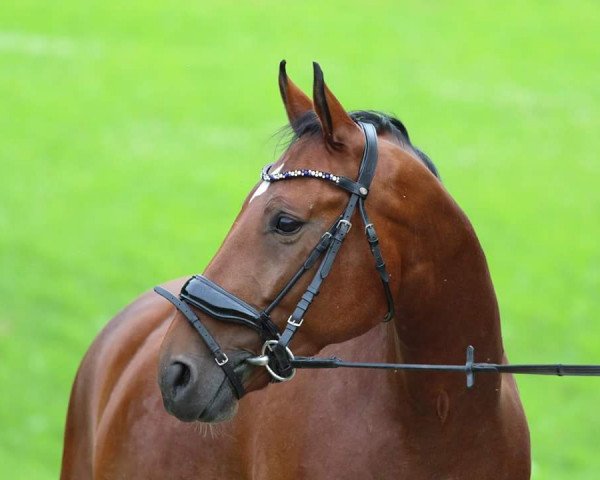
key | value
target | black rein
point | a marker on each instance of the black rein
(469, 368)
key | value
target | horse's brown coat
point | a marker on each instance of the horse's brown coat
(332, 423)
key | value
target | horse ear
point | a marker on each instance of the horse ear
(296, 102)
(337, 124)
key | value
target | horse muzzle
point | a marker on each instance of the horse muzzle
(196, 389)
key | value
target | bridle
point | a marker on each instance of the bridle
(276, 355)
(215, 301)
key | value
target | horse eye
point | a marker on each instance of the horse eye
(287, 225)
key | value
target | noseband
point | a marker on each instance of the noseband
(218, 303)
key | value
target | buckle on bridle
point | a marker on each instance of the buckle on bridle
(295, 324)
(223, 359)
(344, 221)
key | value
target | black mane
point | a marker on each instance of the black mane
(309, 125)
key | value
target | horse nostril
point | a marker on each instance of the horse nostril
(178, 376)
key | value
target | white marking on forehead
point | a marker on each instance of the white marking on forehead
(262, 188)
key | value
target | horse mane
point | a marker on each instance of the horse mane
(309, 125)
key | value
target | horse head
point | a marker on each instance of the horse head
(276, 232)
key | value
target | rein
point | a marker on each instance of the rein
(469, 368)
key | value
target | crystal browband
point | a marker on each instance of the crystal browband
(274, 177)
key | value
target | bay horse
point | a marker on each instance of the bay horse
(148, 386)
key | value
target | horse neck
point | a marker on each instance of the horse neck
(446, 299)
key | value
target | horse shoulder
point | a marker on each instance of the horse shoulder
(100, 372)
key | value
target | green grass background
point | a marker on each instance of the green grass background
(131, 131)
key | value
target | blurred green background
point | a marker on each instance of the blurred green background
(130, 133)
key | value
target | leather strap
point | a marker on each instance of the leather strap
(353, 187)
(214, 347)
(217, 302)
(379, 262)
(312, 258)
(469, 368)
(370, 155)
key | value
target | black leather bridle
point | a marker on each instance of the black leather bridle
(276, 355)
(215, 301)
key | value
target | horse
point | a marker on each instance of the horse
(151, 398)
